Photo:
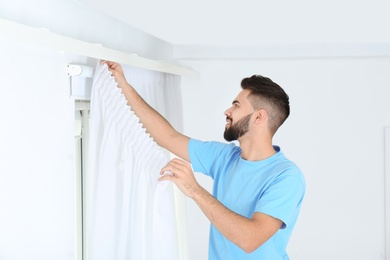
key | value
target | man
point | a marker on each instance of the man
(257, 191)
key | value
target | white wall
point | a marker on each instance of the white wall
(37, 172)
(339, 108)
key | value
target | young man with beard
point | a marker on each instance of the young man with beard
(257, 192)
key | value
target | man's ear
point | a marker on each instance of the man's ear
(261, 116)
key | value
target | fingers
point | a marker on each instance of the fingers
(174, 170)
(167, 177)
(175, 166)
(117, 72)
(110, 64)
(182, 175)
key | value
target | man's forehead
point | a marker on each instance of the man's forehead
(242, 95)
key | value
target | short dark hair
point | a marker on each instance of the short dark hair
(266, 94)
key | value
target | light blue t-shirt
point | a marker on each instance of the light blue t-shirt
(274, 186)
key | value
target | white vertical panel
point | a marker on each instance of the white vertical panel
(84, 156)
(387, 190)
(81, 144)
(78, 190)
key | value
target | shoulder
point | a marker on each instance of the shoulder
(212, 146)
(208, 157)
(284, 168)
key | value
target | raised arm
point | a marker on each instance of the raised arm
(156, 125)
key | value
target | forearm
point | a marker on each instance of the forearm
(238, 229)
(149, 117)
(155, 124)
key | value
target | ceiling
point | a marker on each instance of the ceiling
(251, 22)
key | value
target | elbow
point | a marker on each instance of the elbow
(249, 247)
(249, 250)
(250, 242)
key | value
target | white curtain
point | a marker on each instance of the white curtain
(130, 214)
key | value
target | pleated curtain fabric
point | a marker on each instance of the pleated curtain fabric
(130, 214)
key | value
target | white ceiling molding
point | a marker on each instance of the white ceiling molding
(47, 39)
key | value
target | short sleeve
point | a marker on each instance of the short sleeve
(283, 197)
(204, 156)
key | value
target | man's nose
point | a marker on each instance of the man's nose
(227, 112)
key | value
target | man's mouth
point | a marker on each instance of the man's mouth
(228, 121)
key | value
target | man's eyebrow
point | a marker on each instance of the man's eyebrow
(235, 102)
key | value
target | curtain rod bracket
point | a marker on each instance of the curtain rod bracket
(80, 70)
(81, 80)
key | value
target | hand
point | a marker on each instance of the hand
(182, 175)
(117, 73)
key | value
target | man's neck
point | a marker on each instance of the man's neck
(256, 150)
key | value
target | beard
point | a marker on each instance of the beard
(238, 129)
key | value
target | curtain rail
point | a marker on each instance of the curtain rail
(47, 39)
